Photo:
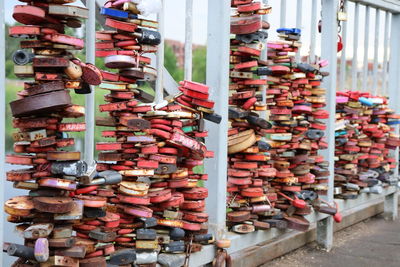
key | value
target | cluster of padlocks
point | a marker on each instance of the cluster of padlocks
(363, 139)
(295, 101)
(248, 169)
(49, 213)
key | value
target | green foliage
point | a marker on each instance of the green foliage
(10, 69)
(199, 64)
(171, 63)
(12, 44)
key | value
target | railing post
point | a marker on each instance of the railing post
(329, 52)
(376, 51)
(283, 14)
(313, 36)
(343, 63)
(264, 56)
(159, 90)
(354, 64)
(90, 30)
(366, 45)
(218, 80)
(188, 40)
(391, 201)
(385, 54)
(2, 117)
(299, 18)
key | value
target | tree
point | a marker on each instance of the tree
(199, 64)
(171, 63)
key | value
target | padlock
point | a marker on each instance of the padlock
(36, 231)
(21, 251)
(73, 71)
(146, 234)
(328, 209)
(123, 256)
(22, 57)
(148, 37)
(107, 178)
(339, 44)
(341, 16)
(175, 246)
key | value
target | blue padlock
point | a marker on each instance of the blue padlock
(117, 13)
(294, 31)
(339, 133)
(393, 122)
(366, 101)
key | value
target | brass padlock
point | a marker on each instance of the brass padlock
(73, 71)
(342, 16)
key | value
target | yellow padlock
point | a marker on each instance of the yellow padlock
(73, 71)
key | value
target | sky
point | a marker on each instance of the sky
(175, 24)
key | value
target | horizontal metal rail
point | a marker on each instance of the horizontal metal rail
(392, 6)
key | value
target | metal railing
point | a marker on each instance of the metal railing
(217, 78)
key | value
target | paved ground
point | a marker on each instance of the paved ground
(371, 243)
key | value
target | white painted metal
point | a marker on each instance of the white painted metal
(159, 90)
(376, 51)
(218, 80)
(354, 64)
(188, 40)
(391, 203)
(365, 75)
(2, 116)
(343, 63)
(388, 5)
(299, 17)
(385, 54)
(283, 14)
(264, 56)
(390, 207)
(329, 52)
(313, 35)
(90, 98)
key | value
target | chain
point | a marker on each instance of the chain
(341, 9)
(188, 252)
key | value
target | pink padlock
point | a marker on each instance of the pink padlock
(323, 63)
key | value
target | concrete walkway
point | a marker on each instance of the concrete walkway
(374, 242)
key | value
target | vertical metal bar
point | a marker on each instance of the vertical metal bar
(159, 92)
(313, 31)
(366, 44)
(391, 204)
(343, 63)
(2, 116)
(188, 40)
(354, 64)
(299, 17)
(385, 54)
(218, 81)
(283, 14)
(90, 98)
(329, 52)
(376, 51)
(264, 56)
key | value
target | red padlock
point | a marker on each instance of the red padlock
(339, 43)
(338, 216)
(297, 203)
